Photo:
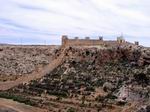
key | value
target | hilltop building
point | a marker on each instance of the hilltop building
(93, 42)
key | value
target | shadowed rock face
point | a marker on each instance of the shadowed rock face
(106, 54)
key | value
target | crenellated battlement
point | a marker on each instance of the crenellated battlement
(92, 42)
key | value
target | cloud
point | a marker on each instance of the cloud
(49, 19)
(13, 24)
(29, 7)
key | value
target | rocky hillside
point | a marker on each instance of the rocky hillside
(93, 79)
(19, 60)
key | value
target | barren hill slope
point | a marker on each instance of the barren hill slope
(92, 79)
(16, 61)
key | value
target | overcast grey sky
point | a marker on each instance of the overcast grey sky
(40, 21)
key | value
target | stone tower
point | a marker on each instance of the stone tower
(136, 43)
(64, 39)
(120, 40)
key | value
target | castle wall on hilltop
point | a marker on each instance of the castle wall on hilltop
(91, 42)
(82, 42)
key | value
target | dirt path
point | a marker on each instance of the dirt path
(12, 106)
(33, 76)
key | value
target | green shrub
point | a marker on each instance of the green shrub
(58, 94)
(17, 98)
(71, 109)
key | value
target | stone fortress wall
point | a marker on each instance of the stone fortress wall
(120, 42)
(93, 42)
